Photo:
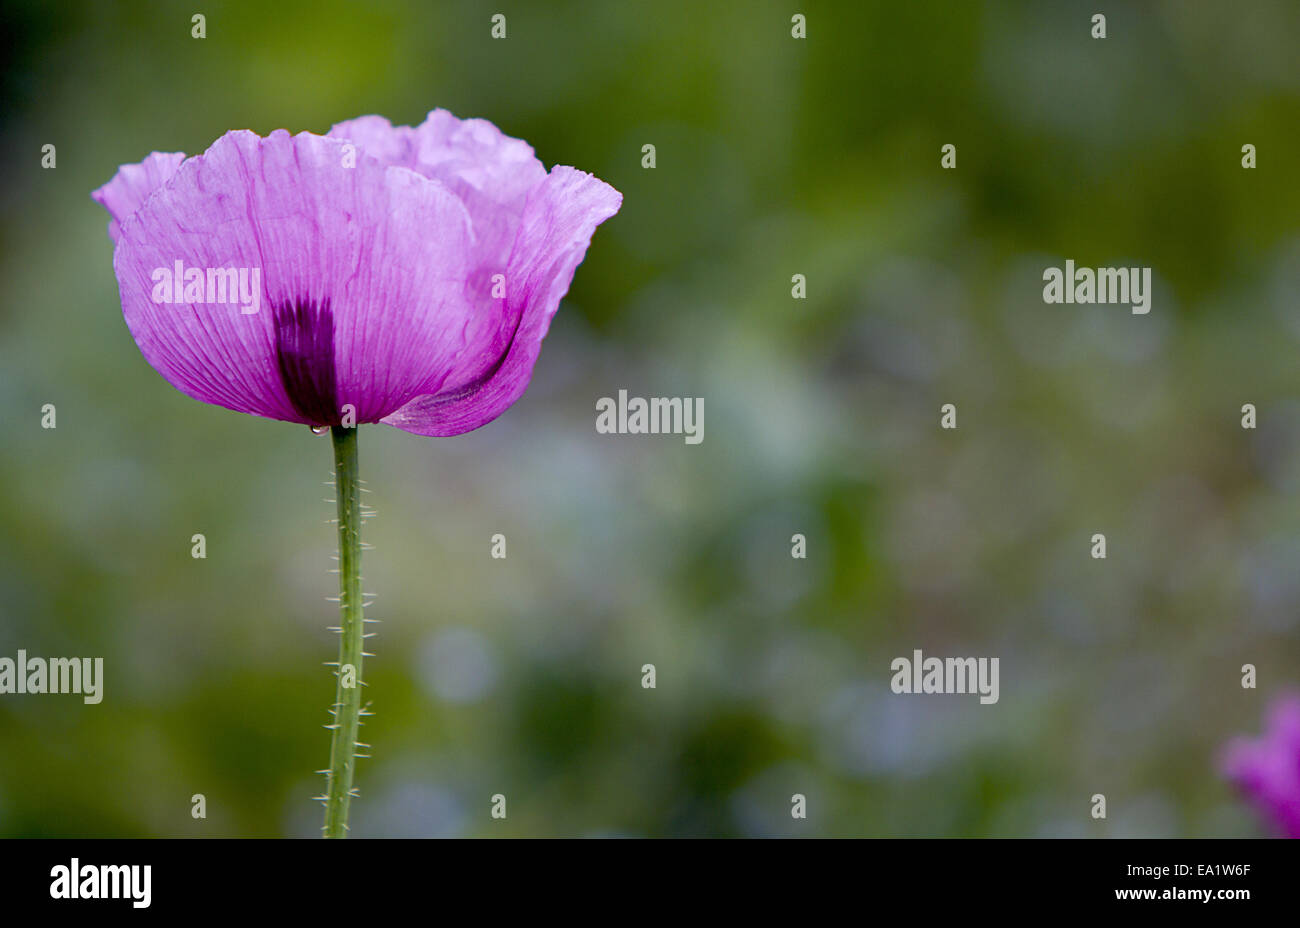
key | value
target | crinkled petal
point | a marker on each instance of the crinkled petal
(363, 270)
(131, 186)
(558, 221)
(380, 139)
(491, 172)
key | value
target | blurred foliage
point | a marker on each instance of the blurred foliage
(775, 157)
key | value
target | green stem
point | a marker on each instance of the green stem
(347, 700)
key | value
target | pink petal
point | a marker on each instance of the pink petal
(132, 185)
(558, 221)
(491, 172)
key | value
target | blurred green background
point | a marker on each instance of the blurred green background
(774, 157)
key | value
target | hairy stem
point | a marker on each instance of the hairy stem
(347, 700)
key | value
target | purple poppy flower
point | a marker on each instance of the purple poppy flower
(1267, 769)
(374, 274)
(407, 273)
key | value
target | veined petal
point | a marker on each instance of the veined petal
(558, 221)
(379, 138)
(491, 172)
(362, 272)
(132, 185)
